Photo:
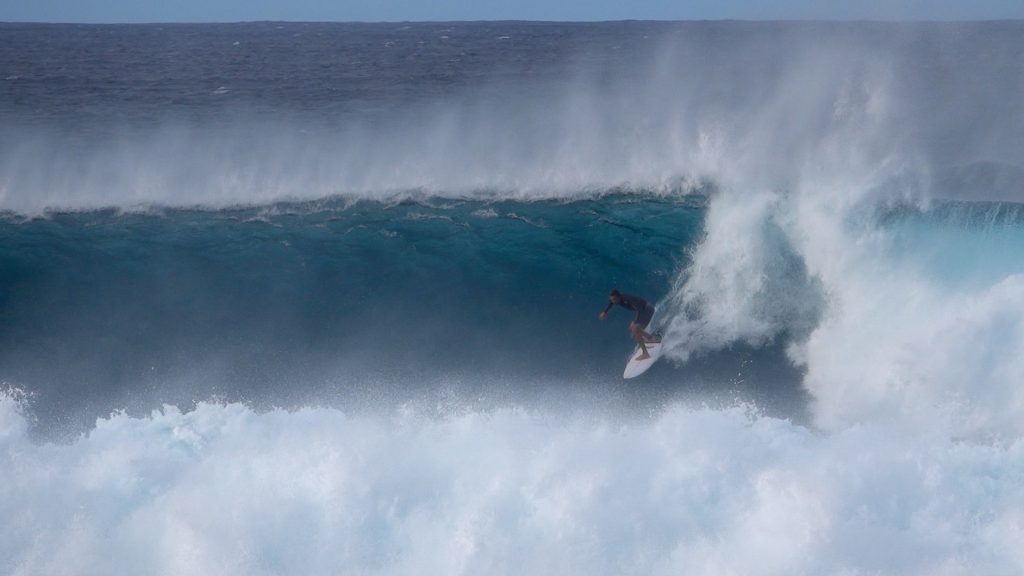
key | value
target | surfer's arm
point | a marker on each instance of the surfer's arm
(606, 309)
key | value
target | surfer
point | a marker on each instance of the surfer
(644, 311)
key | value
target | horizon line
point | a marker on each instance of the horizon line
(527, 21)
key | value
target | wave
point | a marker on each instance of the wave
(761, 296)
(825, 214)
(222, 489)
(349, 304)
(903, 316)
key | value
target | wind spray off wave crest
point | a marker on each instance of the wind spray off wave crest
(798, 247)
(823, 262)
(883, 337)
(655, 107)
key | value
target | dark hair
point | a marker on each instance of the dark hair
(615, 292)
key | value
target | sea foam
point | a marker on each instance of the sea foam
(225, 490)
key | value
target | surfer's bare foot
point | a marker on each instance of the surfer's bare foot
(643, 356)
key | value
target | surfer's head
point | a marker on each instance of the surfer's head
(615, 295)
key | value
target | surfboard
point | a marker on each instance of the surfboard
(637, 367)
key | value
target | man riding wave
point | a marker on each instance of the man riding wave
(644, 312)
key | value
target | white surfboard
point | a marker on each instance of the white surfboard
(637, 367)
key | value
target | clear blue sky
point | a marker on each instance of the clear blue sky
(397, 10)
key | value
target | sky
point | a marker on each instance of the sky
(418, 10)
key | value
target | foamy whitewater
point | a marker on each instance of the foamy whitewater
(322, 298)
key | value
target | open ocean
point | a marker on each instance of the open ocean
(312, 299)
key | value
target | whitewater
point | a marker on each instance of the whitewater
(322, 298)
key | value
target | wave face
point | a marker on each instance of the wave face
(345, 303)
(320, 298)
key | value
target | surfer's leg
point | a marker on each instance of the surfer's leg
(650, 338)
(641, 325)
(645, 354)
(638, 335)
(641, 328)
(637, 332)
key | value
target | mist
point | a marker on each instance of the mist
(914, 109)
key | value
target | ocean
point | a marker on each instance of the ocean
(322, 298)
